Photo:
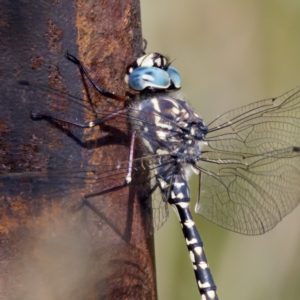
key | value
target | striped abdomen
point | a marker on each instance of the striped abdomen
(177, 192)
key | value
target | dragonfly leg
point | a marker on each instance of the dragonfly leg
(82, 125)
(130, 160)
(85, 199)
(116, 188)
(102, 91)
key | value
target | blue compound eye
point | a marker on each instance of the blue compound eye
(149, 77)
(175, 77)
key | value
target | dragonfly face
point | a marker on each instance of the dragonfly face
(152, 72)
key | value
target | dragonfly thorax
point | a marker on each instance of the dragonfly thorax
(170, 127)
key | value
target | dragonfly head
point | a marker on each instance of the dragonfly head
(152, 73)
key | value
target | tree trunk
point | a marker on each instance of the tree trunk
(49, 251)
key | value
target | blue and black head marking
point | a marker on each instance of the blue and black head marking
(152, 73)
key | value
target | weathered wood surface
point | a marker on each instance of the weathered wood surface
(47, 250)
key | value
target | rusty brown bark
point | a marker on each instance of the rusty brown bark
(47, 251)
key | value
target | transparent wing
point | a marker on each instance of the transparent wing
(65, 107)
(251, 165)
(85, 184)
(50, 179)
(159, 206)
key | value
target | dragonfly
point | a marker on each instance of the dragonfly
(247, 159)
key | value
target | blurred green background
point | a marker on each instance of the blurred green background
(229, 53)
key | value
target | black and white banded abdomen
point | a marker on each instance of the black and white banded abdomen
(175, 189)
